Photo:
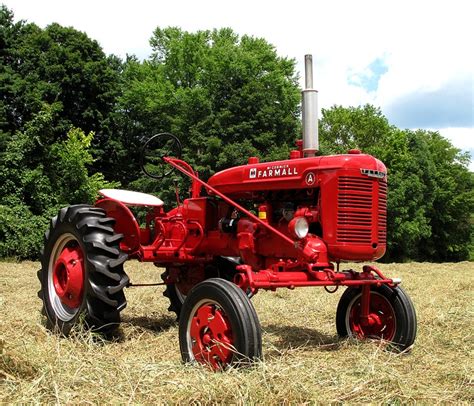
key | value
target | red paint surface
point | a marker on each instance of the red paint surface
(346, 210)
(211, 335)
(380, 323)
(68, 276)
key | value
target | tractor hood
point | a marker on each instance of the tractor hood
(246, 180)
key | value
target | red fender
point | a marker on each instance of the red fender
(125, 223)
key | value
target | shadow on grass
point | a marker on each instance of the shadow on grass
(290, 337)
(153, 324)
(114, 333)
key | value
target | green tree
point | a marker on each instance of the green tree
(452, 201)
(37, 179)
(344, 128)
(226, 97)
(58, 66)
(430, 198)
(53, 81)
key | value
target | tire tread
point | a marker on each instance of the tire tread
(104, 297)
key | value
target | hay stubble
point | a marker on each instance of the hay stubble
(304, 360)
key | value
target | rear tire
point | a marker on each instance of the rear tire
(391, 309)
(81, 275)
(219, 326)
(174, 295)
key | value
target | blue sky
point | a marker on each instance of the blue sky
(369, 78)
(450, 105)
(413, 59)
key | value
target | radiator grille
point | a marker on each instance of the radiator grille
(382, 215)
(354, 217)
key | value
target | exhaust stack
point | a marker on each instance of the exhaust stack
(309, 101)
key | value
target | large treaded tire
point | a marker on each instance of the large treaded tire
(219, 326)
(393, 301)
(90, 232)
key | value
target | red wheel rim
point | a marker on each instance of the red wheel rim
(68, 276)
(381, 322)
(211, 336)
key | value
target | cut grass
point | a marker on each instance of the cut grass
(304, 359)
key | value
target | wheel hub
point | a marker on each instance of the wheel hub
(211, 336)
(380, 322)
(68, 276)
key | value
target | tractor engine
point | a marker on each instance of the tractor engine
(298, 215)
(339, 200)
(336, 203)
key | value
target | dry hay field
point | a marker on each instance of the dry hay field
(304, 362)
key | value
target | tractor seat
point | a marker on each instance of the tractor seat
(131, 198)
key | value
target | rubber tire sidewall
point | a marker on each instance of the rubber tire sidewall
(103, 270)
(404, 311)
(53, 322)
(238, 309)
(224, 269)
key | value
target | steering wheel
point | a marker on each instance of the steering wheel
(154, 150)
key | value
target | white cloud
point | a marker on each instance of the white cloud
(462, 138)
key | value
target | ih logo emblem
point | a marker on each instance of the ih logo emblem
(253, 173)
(310, 178)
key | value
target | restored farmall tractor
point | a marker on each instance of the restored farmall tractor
(270, 225)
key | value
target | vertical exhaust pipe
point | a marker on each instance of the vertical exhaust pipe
(309, 101)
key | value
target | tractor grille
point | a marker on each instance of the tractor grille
(354, 215)
(382, 233)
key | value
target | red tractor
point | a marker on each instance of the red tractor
(270, 225)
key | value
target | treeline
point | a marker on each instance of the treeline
(72, 120)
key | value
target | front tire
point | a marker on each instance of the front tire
(176, 293)
(219, 326)
(81, 275)
(392, 314)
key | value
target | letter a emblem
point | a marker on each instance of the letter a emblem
(310, 178)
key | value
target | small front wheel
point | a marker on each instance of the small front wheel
(392, 316)
(219, 326)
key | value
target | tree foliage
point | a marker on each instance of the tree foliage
(55, 83)
(58, 66)
(37, 181)
(228, 97)
(431, 194)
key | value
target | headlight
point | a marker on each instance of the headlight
(298, 227)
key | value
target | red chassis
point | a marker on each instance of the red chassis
(343, 201)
